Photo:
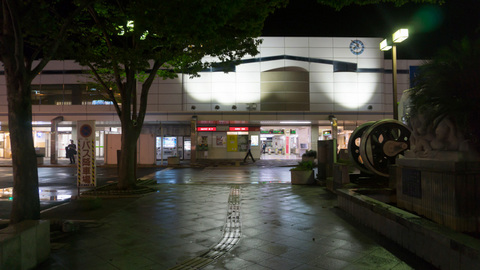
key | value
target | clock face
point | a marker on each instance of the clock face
(357, 47)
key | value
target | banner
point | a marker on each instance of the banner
(86, 154)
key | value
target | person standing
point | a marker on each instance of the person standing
(71, 151)
(264, 147)
(249, 152)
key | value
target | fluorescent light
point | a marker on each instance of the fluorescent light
(384, 46)
(400, 35)
(296, 122)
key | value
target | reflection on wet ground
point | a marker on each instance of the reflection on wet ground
(54, 194)
(223, 175)
(44, 194)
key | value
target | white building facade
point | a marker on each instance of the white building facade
(284, 97)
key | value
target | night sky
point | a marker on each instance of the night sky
(431, 26)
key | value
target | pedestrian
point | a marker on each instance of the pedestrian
(249, 152)
(264, 147)
(71, 151)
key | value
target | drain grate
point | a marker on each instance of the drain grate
(231, 235)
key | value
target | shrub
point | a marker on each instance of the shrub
(303, 166)
(310, 153)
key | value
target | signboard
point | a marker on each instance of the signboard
(232, 143)
(238, 129)
(86, 154)
(254, 140)
(206, 129)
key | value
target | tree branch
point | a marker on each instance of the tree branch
(116, 71)
(146, 88)
(59, 38)
(107, 90)
(17, 33)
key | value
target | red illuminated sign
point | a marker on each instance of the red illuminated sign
(238, 129)
(206, 128)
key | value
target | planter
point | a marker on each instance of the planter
(312, 159)
(173, 160)
(40, 160)
(302, 177)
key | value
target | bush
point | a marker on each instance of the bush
(310, 153)
(303, 166)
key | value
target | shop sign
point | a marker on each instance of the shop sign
(238, 129)
(232, 143)
(272, 131)
(327, 132)
(206, 129)
(86, 154)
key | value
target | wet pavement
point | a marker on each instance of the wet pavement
(221, 215)
(57, 183)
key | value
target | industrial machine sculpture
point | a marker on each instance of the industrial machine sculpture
(373, 146)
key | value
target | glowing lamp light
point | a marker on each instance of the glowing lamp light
(384, 46)
(397, 37)
(400, 35)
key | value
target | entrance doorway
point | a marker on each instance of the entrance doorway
(173, 146)
(284, 142)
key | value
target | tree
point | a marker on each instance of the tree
(140, 40)
(30, 30)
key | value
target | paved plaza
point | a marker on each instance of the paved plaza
(221, 217)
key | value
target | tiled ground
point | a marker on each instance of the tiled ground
(283, 227)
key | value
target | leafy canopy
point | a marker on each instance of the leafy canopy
(177, 33)
(449, 86)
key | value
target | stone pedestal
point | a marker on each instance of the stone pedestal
(447, 192)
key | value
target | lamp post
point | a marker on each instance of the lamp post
(397, 37)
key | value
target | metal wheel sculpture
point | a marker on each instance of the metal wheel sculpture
(354, 146)
(381, 143)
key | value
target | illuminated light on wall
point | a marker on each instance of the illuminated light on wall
(206, 128)
(355, 95)
(219, 89)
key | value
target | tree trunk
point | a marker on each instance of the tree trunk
(128, 162)
(26, 204)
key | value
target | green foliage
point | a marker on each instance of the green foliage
(449, 86)
(304, 166)
(131, 34)
(310, 153)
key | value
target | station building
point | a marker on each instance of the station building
(286, 97)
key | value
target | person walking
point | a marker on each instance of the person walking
(249, 152)
(71, 151)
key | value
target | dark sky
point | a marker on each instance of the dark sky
(430, 26)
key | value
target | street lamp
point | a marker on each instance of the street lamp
(386, 45)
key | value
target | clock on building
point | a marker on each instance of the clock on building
(357, 47)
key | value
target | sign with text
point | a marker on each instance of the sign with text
(206, 129)
(86, 154)
(238, 129)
